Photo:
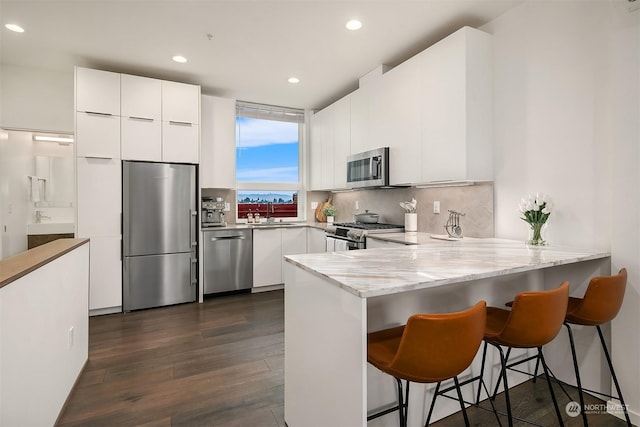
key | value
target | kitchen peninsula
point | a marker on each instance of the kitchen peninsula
(332, 300)
(44, 330)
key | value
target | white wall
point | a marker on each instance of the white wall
(36, 99)
(566, 91)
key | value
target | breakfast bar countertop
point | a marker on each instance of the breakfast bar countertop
(384, 271)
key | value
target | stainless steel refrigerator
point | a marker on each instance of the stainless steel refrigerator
(159, 227)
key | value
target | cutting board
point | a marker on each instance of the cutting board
(319, 215)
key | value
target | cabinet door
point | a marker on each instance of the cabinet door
(97, 91)
(267, 257)
(180, 142)
(315, 150)
(97, 135)
(218, 143)
(105, 273)
(341, 140)
(400, 100)
(443, 110)
(141, 139)
(294, 241)
(180, 102)
(141, 97)
(316, 241)
(99, 196)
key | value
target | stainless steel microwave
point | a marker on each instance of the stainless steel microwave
(368, 169)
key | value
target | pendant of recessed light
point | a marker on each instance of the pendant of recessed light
(353, 24)
(180, 59)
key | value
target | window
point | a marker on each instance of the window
(268, 160)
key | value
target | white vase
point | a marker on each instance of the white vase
(411, 222)
(330, 220)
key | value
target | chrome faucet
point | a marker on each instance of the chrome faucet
(39, 217)
(270, 210)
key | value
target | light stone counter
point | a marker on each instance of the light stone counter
(376, 272)
(332, 300)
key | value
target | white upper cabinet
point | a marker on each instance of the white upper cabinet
(141, 139)
(180, 102)
(97, 135)
(341, 113)
(330, 146)
(457, 108)
(433, 111)
(141, 136)
(400, 100)
(180, 142)
(318, 129)
(218, 144)
(97, 91)
(141, 97)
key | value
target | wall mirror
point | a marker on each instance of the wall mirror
(56, 179)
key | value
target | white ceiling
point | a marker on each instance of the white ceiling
(255, 45)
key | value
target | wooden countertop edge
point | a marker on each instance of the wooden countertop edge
(24, 263)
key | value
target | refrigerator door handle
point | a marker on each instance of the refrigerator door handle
(194, 271)
(194, 215)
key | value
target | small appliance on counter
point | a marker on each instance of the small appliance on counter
(213, 212)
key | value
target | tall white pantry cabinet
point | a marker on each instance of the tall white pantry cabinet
(123, 117)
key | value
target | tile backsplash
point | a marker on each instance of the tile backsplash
(475, 201)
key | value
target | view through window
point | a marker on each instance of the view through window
(268, 160)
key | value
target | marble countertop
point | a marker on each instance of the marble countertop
(415, 238)
(384, 271)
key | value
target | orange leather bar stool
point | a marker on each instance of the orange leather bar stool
(430, 348)
(600, 304)
(535, 320)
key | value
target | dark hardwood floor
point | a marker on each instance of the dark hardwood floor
(216, 364)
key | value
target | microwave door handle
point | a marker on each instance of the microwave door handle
(371, 160)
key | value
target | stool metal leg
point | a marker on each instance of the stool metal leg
(433, 403)
(553, 396)
(613, 375)
(484, 358)
(464, 410)
(503, 363)
(506, 360)
(576, 368)
(403, 402)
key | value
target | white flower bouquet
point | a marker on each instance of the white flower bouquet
(535, 210)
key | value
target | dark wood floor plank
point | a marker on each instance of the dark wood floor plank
(220, 363)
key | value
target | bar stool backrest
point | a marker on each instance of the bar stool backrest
(602, 300)
(536, 317)
(436, 347)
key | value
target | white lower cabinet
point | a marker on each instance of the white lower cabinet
(267, 254)
(269, 247)
(316, 240)
(105, 271)
(180, 142)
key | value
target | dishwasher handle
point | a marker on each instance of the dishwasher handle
(236, 237)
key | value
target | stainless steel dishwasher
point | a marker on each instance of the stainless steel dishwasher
(228, 260)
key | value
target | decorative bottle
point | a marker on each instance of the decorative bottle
(249, 217)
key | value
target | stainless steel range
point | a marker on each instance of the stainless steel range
(352, 235)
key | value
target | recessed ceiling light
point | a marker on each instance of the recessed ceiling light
(179, 58)
(15, 27)
(293, 80)
(354, 24)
